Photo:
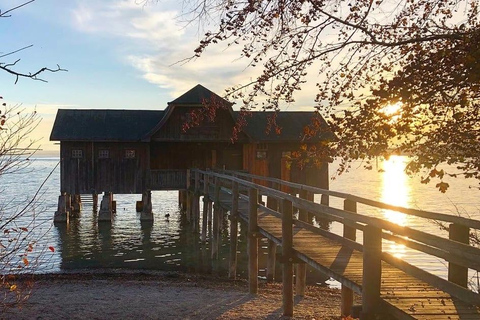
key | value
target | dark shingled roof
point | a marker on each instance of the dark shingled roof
(197, 95)
(104, 125)
(291, 123)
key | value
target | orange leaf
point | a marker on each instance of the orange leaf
(25, 261)
(13, 287)
(51, 249)
(24, 229)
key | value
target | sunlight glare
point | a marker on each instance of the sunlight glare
(395, 188)
(391, 109)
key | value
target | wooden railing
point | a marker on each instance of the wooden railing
(456, 250)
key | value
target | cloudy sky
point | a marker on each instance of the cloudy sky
(119, 54)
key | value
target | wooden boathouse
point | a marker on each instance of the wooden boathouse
(114, 151)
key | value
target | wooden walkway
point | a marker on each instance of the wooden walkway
(389, 285)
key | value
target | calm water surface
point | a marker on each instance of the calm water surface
(170, 243)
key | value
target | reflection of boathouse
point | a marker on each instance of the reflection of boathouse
(135, 151)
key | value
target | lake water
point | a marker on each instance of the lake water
(170, 244)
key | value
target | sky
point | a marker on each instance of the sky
(119, 55)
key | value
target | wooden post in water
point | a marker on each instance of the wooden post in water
(372, 271)
(272, 247)
(63, 211)
(147, 213)
(76, 204)
(456, 273)
(205, 208)
(106, 210)
(349, 233)
(188, 209)
(301, 272)
(216, 214)
(253, 240)
(95, 201)
(287, 257)
(232, 270)
(196, 202)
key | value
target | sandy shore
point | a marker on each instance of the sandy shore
(163, 296)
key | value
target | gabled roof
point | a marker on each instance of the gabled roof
(104, 125)
(197, 96)
(291, 125)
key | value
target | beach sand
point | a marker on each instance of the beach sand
(140, 295)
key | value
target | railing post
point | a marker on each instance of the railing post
(232, 271)
(287, 257)
(372, 271)
(253, 240)
(301, 272)
(458, 274)
(349, 233)
(272, 203)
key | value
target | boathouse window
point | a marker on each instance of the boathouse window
(261, 155)
(103, 154)
(77, 153)
(261, 151)
(129, 154)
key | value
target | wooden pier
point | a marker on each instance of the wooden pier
(387, 285)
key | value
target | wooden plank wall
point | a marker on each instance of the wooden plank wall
(116, 174)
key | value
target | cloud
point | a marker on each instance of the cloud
(154, 27)
(153, 42)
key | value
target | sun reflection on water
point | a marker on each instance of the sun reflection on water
(395, 191)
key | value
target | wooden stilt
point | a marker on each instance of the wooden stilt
(272, 203)
(232, 270)
(349, 233)
(253, 241)
(287, 257)
(147, 213)
(95, 201)
(63, 212)
(216, 213)
(76, 204)
(105, 213)
(206, 204)
(188, 211)
(271, 260)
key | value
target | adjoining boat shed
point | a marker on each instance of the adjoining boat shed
(136, 151)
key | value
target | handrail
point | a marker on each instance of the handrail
(458, 253)
(452, 248)
(471, 223)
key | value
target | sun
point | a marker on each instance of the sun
(392, 108)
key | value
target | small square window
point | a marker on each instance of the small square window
(104, 154)
(261, 155)
(129, 154)
(77, 153)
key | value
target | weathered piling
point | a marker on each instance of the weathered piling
(147, 213)
(106, 207)
(63, 210)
